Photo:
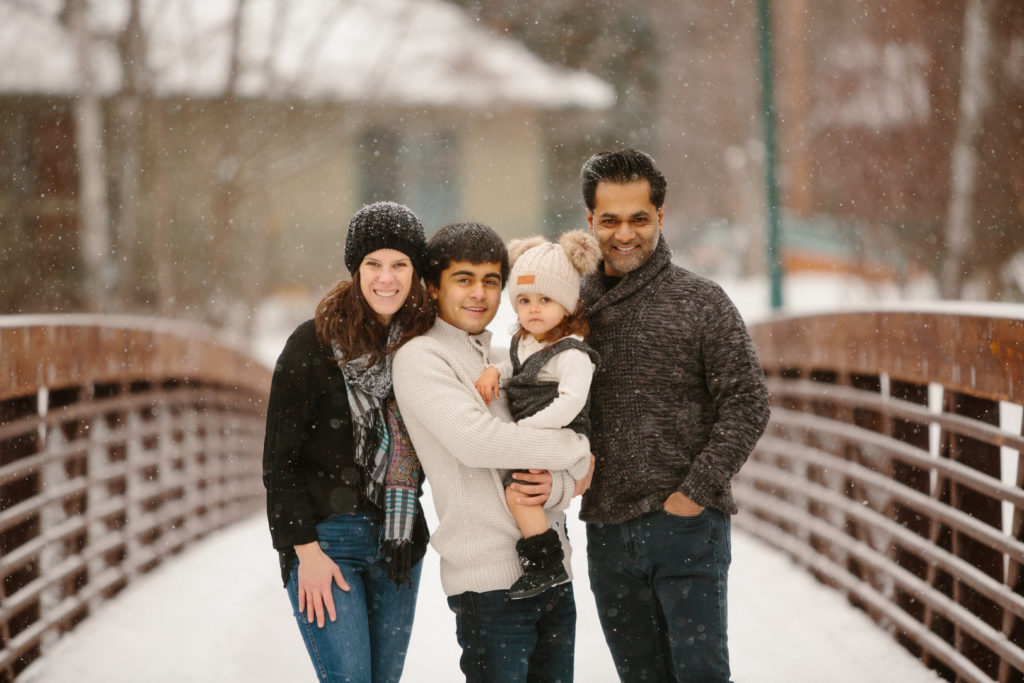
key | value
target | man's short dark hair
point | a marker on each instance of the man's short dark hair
(471, 242)
(621, 166)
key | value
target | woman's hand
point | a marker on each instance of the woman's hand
(533, 487)
(316, 572)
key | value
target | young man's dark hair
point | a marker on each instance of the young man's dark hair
(622, 166)
(467, 241)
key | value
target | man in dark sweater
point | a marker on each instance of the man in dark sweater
(677, 405)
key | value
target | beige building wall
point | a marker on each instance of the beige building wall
(300, 180)
(315, 181)
(504, 173)
(309, 209)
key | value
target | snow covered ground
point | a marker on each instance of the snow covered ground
(219, 613)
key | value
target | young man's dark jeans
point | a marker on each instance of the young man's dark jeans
(660, 585)
(513, 641)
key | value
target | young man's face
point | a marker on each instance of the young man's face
(468, 294)
(626, 224)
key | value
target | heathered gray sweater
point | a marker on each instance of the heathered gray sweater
(679, 400)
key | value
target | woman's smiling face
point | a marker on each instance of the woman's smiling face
(385, 278)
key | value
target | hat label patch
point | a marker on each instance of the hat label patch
(526, 279)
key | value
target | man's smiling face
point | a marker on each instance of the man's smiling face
(468, 294)
(626, 224)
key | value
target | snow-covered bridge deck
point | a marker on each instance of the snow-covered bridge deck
(218, 613)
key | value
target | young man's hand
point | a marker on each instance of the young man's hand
(583, 484)
(533, 487)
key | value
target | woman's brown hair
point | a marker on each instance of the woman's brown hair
(344, 317)
(574, 323)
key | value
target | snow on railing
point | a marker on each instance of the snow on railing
(122, 440)
(891, 470)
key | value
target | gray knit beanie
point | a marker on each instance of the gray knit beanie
(385, 225)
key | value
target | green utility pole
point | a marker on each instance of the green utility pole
(771, 190)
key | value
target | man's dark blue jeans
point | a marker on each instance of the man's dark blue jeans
(516, 641)
(660, 585)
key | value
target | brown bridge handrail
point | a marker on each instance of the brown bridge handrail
(122, 441)
(81, 349)
(882, 473)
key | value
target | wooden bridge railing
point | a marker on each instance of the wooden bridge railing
(887, 469)
(121, 441)
(891, 469)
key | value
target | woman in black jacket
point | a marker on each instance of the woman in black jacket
(342, 479)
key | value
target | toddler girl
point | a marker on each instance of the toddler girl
(547, 377)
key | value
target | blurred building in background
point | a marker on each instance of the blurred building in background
(190, 157)
(236, 137)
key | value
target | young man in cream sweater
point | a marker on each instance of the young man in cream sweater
(463, 444)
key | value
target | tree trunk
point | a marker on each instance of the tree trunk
(128, 111)
(94, 231)
(220, 302)
(975, 96)
(161, 213)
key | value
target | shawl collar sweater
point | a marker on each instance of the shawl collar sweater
(463, 443)
(679, 400)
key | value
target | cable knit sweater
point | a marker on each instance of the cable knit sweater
(679, 400)
(462, 444)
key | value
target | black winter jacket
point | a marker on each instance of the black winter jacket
(308, 465)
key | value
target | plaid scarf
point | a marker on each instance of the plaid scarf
(385, 454)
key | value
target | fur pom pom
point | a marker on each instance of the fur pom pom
(517, 248)
(582, 249)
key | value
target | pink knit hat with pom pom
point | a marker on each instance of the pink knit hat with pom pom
(553, 270)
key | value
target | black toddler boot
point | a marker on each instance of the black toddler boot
(541, 557)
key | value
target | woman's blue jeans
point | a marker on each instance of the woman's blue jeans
(368, 641)
(659, 582)
(516, 641)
